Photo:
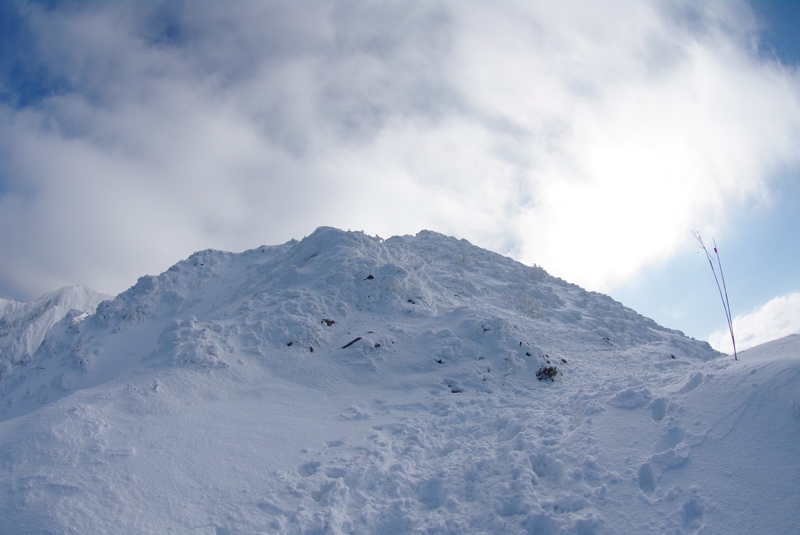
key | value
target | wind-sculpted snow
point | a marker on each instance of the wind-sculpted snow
(349, 384)
(23, 325)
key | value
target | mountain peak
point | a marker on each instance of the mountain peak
(348, 384)
(412, 302)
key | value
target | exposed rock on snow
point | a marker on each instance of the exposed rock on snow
(194, 403)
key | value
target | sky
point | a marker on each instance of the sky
(590, 138)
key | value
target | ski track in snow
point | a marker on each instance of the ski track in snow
(346, 384)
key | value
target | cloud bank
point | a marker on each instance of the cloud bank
(588, 138)
(778, 318)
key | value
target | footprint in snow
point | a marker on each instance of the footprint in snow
(432, 493)
(671, 438)
(326, 490)
(671, 458)
(692, 514)
(309, 468)
(355, 413)
(659, 409)
(693, 383)
(647, 478)
(335, 472)
(630, 398)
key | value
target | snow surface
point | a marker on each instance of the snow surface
(24, 325)
(349, 384)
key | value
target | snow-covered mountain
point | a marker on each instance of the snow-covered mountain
(349, 384)
(24, 325)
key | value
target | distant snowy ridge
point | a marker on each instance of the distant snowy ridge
(23, 325)
(348, 384)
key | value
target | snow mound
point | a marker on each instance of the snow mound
(338, 311)
(349, 384)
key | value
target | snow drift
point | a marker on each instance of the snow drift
(349, 384)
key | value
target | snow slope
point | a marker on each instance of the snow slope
(24, 325)
(349, 384)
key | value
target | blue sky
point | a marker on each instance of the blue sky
(589, 138)
(759, 252)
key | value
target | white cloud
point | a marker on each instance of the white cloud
(777, 318)
(588, 138)
(650, 130)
